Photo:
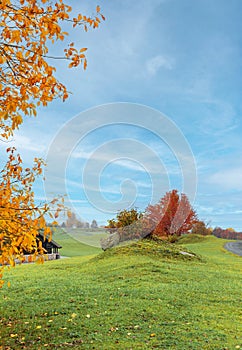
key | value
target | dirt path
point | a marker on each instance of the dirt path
(234, 247)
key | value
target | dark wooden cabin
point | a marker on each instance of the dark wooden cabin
(51, 247)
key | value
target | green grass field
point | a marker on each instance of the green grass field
(74, 245)
(141, 296)
(86, 236)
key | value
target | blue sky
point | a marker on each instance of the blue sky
(182, 58)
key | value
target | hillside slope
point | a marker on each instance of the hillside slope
(133, 299)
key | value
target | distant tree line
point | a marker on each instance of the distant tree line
(228, 233)
(73, 222)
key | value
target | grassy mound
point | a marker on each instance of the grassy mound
(192, 238)
(152, 248)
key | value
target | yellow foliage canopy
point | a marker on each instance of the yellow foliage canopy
(27, 79)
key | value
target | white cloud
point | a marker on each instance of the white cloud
(205, 209)
(22, 142)
(81, 155)
(228, 179)
(217, 110)
(126, 153)
(154, 64)
(29, 144)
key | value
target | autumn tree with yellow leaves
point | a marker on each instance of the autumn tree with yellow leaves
(21, 218)
(28, 79)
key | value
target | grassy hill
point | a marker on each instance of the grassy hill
(74, 244)
(140, 296)
(87, 236)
